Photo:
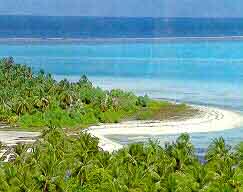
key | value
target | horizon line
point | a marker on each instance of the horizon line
(137, 17)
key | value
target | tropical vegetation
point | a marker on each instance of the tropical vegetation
(34, 100)
(58, 162)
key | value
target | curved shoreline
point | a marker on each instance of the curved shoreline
(210, 119)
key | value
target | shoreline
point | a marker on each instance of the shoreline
(211, 119)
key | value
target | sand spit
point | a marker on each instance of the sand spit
(209, 119)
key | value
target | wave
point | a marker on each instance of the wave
(119, 39)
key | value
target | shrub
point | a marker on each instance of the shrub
(110, 117)
(143, 101)
(144, 115)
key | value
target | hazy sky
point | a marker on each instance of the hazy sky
(128, 8)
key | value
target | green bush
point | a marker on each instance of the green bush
(143, 101)
(144, 115)
(110, 117)
(89, 119)
(35, 120)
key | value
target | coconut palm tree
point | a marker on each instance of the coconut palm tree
(218, 149)
(21, 106)
(42, 103)
(66, 100)
(182, 151)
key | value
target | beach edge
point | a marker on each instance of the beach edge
(212, 119)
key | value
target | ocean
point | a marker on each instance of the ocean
(116, 27)
(201, 71)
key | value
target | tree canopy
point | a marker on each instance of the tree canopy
(57, 162)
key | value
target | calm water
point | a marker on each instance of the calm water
(209, 73)
(99, 27)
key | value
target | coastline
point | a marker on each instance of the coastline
(211, 119)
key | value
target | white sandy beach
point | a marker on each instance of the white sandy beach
(13, 137)
(210, 119)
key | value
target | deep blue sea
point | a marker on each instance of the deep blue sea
(202, 72)
(115, 27)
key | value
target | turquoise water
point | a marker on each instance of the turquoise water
(206, 72)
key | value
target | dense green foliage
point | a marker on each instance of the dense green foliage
(75, 163)
(35, 100)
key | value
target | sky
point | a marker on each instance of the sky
(124, 8)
